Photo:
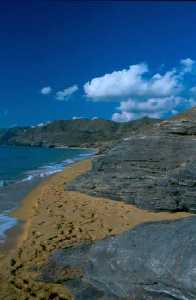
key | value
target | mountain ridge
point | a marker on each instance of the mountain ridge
(73, 133)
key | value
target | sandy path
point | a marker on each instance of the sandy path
(55, 218)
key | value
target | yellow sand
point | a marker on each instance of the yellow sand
(55, 218)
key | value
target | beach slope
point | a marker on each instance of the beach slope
(54, 219)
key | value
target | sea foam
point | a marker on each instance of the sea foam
(6, 222)
(53, 168)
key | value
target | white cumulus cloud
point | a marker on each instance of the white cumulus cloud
(152, 107)
(132, 82)
(117, 83)
(141, 93)
(46, 90)
(187, 64)
(66, 93)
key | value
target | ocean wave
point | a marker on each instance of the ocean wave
(2, 183)
(17, 188)
(53, 168)
(46, 170)
(6, 222)
(87, 154)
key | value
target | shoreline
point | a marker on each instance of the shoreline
(13, 234)
(49, 147)
(54, 218)
(20, 189)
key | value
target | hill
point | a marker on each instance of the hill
(188, 115)
(73, 133)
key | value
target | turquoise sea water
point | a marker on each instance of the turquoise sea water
(21, 168)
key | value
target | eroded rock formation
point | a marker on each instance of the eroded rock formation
(155, 171)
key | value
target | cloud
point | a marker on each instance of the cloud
(123, 116)
(117, 83)
(66, 93)
(76, 118)
(164, 85)
(40, 125)
(141, 93)
(46, 90)
(152, 107)
(187, 65)
(132, 82)
(129, 116)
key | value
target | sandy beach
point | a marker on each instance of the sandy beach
(54, 218)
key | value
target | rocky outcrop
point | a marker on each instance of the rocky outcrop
(154, 261)
(155, 171)
(176, 127)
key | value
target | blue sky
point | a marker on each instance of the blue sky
(115, 60)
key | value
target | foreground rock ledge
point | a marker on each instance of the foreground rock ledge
(154, 261)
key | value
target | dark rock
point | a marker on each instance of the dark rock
(154, 261)
(177, 127)
(155, 171)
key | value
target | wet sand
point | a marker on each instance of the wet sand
(54, 218)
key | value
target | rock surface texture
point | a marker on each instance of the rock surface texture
(155, 171)
(154, 261)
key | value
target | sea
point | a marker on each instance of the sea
(21, 168)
